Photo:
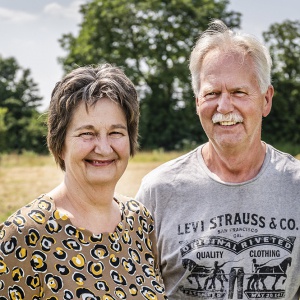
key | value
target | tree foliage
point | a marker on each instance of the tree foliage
(152, 41)
(282, 125)
(3, 127)
(19, 118)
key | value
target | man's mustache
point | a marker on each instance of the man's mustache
(231, 117)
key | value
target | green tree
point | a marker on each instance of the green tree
(282, 125)
(19, 96)
(152, 41)
(3, 128)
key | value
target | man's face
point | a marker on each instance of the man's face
(229, 94)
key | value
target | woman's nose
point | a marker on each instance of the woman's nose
(103, 145)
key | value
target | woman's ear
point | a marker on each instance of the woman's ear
(62, 154)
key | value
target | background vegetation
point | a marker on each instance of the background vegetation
(24, 177)
(152, 41)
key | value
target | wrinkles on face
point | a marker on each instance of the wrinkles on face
(230, 104)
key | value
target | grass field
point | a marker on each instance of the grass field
(23, 178)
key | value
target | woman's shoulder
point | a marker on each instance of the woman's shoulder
(29, 217)
(132, 206)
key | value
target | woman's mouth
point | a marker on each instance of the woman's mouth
(100, 162)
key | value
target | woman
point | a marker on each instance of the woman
(80, 241)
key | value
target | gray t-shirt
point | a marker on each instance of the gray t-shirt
(219, 240)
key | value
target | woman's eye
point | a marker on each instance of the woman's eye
(116, 134)
(87, 135)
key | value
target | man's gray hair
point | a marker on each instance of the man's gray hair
(219, 36)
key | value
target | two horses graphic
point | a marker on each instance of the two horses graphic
(212, 273)
(263, 272)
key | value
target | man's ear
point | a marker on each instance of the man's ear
(197, 105)
(268, 101)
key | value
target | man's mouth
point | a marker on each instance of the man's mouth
(228, 119)
(228, 123)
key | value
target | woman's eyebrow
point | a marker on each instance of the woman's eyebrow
(85, 127)
(119, 126)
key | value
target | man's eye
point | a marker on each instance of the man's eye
(211, 95)
(239, 93)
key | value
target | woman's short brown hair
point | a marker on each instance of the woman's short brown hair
(89, 84)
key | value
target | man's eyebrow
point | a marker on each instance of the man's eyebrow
(239, 87)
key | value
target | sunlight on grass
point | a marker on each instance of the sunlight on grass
(28, 159)
(25, 177)
(155, 156)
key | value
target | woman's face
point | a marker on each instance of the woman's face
(97, 148)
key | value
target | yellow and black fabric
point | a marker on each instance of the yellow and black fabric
(43, 256)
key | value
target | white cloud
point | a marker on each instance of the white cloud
(70, 12)
(15, 16)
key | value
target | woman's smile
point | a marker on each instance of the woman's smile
(100, 163)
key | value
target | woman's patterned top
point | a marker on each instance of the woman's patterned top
(43, 256)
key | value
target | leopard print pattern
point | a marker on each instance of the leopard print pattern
(43, 256)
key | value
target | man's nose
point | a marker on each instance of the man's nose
(225, 105)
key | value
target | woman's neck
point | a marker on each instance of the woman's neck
(93, 208)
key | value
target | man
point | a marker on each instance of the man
(234, 198)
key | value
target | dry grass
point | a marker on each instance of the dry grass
(20, 185)
(23, 178)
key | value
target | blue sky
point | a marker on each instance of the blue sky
(30, 30)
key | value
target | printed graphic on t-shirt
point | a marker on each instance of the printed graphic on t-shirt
(236, 256)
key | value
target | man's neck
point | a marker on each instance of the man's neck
(234, 166)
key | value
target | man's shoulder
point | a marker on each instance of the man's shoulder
(279, 155)
(284, 161)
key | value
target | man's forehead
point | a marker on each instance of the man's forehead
(218, 56)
